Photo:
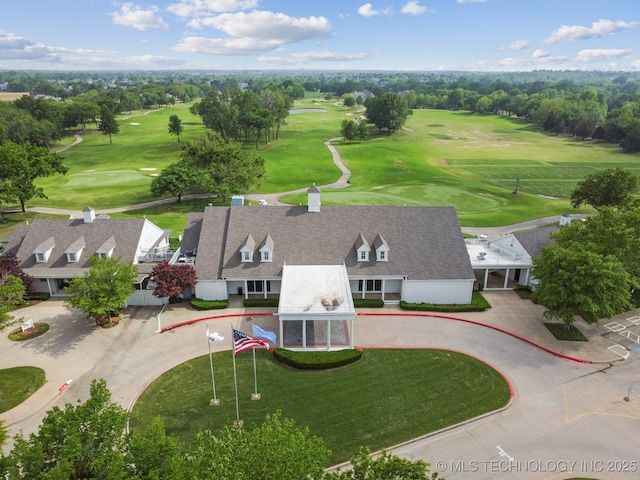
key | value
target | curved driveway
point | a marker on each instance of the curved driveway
(562, 411)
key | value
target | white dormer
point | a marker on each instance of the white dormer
(246, 252)
(106, 249)
(313, 199)
(74, 251)
(266, 250)
(362, 249)
(43, 251)
(382, 249)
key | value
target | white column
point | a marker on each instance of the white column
(281, 333)
(304, 334)
(351, 332)
(246, 290)
(329, 334)
(506, 279)
(486, 277)
(49, 286)
(264, 288)
(383, 287)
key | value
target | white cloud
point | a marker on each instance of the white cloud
(269, 26)
(21, 48)
(413, 8)
(597, 29)
(225, 46)
(131, 15)
(314, 56)
(594, 55)
(539, 54)
(367, 10)
(517, 45)
(195, 8)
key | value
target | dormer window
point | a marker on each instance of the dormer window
(382, 249)
(43, 251)
(74, 251)
(106, 249)
(266, 249)
(246, 251)
(362, 249)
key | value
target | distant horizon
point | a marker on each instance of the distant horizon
(482, 36)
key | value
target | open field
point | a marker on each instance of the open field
(331, 402)
(440, 158)
(11, 96)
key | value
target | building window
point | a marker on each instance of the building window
(363, 255)
(246, 257)
(372, 285)
(257, 286)
(265, 256)
(383, 255)
(71, 257)
(40, 257)
(102, 255)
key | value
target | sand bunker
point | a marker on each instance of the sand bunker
(134, 123)
(148, 169)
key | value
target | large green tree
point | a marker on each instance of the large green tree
(175, 126)
(612, 231)
(108, 124)
(175, 180)
(577, 281)
(81, 441)
(388, 110)
(104, 289)
(275, 450)
(222, 166)
(607, 187)
(20, 166)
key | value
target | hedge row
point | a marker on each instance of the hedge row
(317, 360)
(260, 302)
(478, 304)
(368, 302)
(200, 304)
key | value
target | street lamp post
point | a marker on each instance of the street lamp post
(212, 337)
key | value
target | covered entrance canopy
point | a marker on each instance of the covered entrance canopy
(316, 309)
(499, 264)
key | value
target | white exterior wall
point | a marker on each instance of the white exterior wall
(212, 290)
(148, 236)
(446, 292)
(393, 286)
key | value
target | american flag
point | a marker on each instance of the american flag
(242, 342)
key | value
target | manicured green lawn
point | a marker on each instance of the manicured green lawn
(17, 384)
(386, 398)
(440, 158)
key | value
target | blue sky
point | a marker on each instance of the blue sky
(471, 35)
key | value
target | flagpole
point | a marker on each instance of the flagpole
(256, 395)
(214, 401)
(235, 377)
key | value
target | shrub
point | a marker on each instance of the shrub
(478, 304)
(200, 304)
(317, 360)
(524, 292)
(261, 302)
(38, 296)
(368, 302)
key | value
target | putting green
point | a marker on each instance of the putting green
(107, 178)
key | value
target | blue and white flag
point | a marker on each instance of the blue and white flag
(260, 333)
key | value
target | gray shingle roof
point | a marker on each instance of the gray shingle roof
(533, 240)
(66, 233)
(424, 242)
